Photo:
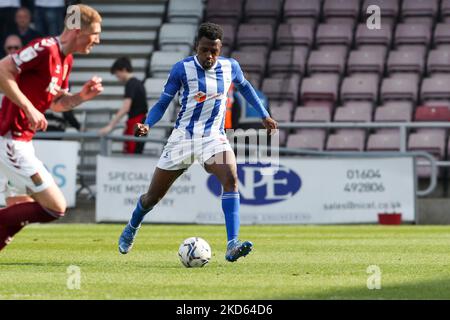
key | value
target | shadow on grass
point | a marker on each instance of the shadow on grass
(438, 289)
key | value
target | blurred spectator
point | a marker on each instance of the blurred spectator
(134, 104)
(23, 28)
(7, 11)
(229, 123)
(246, 115)
(49, 16)
(12, 44)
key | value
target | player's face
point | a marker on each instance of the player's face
(88, 38)
(208, 51)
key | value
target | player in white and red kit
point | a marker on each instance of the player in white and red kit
(34, 80)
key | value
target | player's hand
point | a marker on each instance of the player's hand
(37, 120)
(270, 124)
(141, 130)
(91, 89)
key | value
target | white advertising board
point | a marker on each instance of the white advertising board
(303, 191)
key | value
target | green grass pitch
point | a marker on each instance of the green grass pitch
(288, 262)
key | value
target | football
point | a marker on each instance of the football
(194, 252)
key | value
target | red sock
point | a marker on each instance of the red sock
(7, 233)
(27, 212)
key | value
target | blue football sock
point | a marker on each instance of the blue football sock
(138, 214)
(230, 206)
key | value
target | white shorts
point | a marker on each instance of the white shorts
(181, 152)
(25, 174)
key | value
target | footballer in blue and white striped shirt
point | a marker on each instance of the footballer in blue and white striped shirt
(202, 82)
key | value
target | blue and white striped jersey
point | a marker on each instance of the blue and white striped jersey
(202, 94)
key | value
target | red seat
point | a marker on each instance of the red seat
(436, 113)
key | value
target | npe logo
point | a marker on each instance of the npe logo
(257, 188)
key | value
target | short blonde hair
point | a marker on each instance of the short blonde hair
(88, 16)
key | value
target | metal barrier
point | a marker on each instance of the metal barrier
(105, 149)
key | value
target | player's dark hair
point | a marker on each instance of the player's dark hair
(120, 64)
(210, 31)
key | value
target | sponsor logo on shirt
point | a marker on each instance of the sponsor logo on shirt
(202, 97)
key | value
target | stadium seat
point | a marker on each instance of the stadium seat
(80, 77)
(399, 88)
(88, 64)
(341, 10)
(415, 10)
(263, 11)
(419, 48)
(435, 87)
(442, 34)
(389, 11)
(312, 139)
(326, 61)
(438, 61)
(251, 35)
(320, 87)
(365, 35)
(394, 111)
(365, 61)
(361, 112)
(384, 142)
(412, 33)
(340, 34)
(281, 111)
(431, 142)
(154, 87)
(282, 88)
(312, 114)
(177, 37)
(162, 62)
(229, 38)
(294, 35)
(350, 140)
(319, 103)
(408, 76)
(302, 11)
(253, 63)
(224, 11)
(182, 11)
(284, 62)
(359, 88)
(405, 61)
(436, 113)
(445, 10)
(381, 49)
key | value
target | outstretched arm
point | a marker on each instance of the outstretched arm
(249, 93)
(66, 101)
(171, 87)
